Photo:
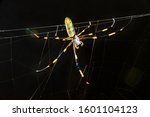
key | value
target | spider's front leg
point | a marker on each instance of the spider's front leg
(84, 29)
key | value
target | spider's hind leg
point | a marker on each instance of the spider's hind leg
(76, 60)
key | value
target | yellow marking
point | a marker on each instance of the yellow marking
(104, 29)
(36, 35)
(87, 83)
(112, 34)
(67, 20)
(82, 75)
(90, 34)
(82, 43)
(95, 37)
(71, 29)
(56, 37)
(76, 57)
(121, 29)
(55, 61)
(45, 38)
(77, 47)
(65, 49)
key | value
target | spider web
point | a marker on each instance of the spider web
(22, 54)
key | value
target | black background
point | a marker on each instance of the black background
(120, 67)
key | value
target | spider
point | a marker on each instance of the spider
(76, 41)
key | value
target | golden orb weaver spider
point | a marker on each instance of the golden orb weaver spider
(76, 40)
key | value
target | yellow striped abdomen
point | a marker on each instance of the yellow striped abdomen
(69, 27)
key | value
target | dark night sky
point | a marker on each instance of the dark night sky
(120, 68)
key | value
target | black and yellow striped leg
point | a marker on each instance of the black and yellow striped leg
(55, 60)
(88, 36)
(116, 31)
(33, 33)
(84, 29)
(92, 37)
(64, 50)
(106, 29)
(112, 33)
(76, 61)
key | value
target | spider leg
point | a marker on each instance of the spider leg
(82, 43)
(33, 33)
(55, 60)
(64, 50)
(76, 47)
(112, 33)
(103, 30)
(84, 29)
(115, 32)
(109, 27)
(63, 38)
(76, 61)
(84, 37)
